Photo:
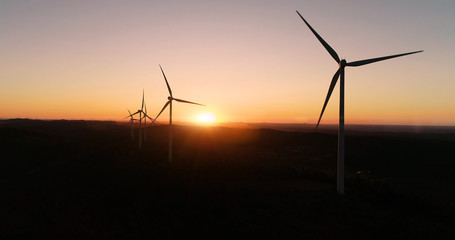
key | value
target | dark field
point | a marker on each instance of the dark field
(88, 180)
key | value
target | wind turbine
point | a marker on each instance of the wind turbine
(340, 73)
(142, 115)
(170, 98)
(132, 119)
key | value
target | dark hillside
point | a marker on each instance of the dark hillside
(87, 179)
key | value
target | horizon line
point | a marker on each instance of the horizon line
(232, 122)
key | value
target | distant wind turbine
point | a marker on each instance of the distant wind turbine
(142, 115)
(340, 73)
(132, 119)
(169, 102)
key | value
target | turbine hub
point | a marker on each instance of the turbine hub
(342, 63)
(170, 98)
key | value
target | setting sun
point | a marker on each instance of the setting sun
(207, 117)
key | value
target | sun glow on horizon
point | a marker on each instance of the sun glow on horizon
(207, 117)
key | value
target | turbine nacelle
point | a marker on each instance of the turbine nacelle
(342, 63)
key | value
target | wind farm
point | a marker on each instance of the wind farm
(142, 116)
(235, 145)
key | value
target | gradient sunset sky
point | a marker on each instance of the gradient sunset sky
(249, 61)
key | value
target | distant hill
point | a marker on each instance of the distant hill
(350, 128)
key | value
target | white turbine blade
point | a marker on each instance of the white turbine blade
(165, 105)
(329, 93)
(324, 43)
(165, 79)
(184, 101)
(372, 60)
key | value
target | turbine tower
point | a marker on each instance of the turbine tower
(132, 119)
(145, 122)
(169, 102)
(340, 74)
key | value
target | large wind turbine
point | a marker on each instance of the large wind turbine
(142, 115)
(340, 73)
(169, 102)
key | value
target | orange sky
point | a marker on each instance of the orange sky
(250, 61)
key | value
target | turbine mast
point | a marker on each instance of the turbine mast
(340, 160)
(170, 131)
(132, 130)
(145, 124)
(140, 129)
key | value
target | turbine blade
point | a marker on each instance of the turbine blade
(324, 43)
(130, 116)
(372, 60)
(184, 101)
(165, 79)
(147, 116)
(165, 105)
(329, 93)
(142, 107)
